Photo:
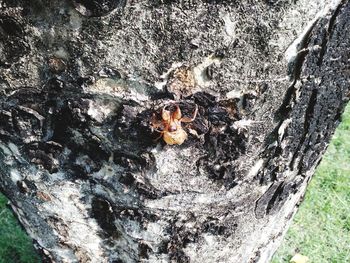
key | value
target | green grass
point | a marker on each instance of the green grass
(321, 227)
(15, 245)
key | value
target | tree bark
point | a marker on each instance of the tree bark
(81, 82)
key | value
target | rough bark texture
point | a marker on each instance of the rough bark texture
(80, 81)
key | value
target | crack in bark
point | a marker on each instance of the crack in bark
(264, 204)
(294, 71)
(308, 117)
(328, 34)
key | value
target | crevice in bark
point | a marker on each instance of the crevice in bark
(266, 201)
(308, 118)
(286, 106)
(102, 211)
(328, 33)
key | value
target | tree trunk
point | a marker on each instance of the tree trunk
(84, 82)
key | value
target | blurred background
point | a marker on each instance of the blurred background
(320, 230)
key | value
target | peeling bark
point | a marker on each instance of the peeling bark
(82, 80)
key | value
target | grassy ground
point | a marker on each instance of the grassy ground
(15, 245)
(321, 228)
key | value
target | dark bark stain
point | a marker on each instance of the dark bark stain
(274, 198)
(307, 122)
(45, 154)
(102, 211)
(12, 40)
(222, 143)
(214, 227)
(309, 125)
(144, 249)
(179, 237)
(294, 71)
(328, 34)
(264, 203)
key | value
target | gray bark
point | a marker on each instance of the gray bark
(81, 80)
